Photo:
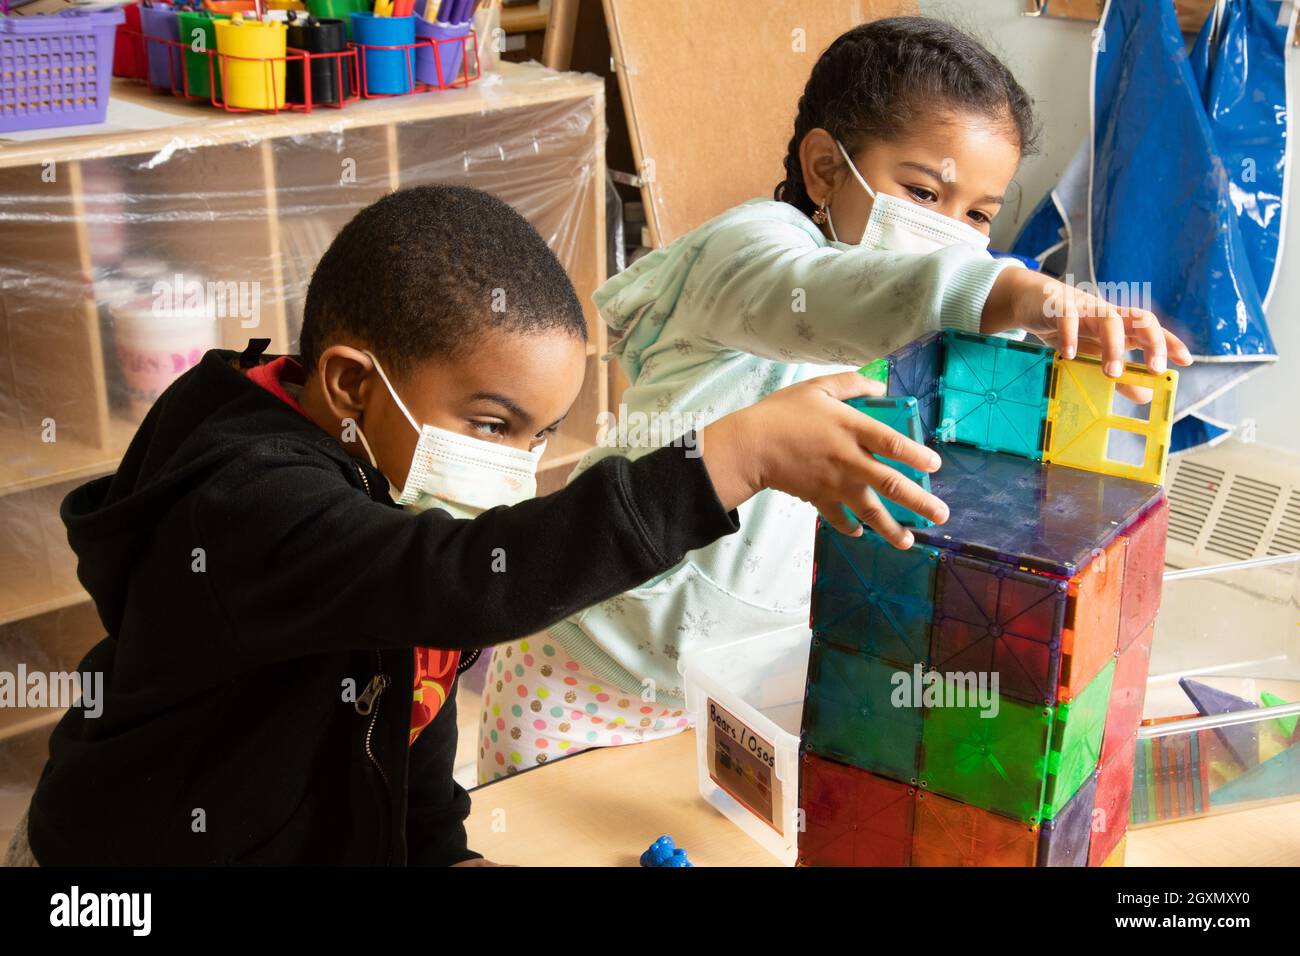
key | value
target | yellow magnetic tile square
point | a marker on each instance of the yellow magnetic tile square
(1081, 419)
(1116, 857)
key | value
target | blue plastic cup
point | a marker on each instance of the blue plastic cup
(444, 68)
(385, 71)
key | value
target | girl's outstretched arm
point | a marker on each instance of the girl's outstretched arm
(768, 289)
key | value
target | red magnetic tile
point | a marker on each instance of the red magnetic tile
(852, 817)
(1144, 569)
(949, 833)
(1127, 694)
(1114, 797)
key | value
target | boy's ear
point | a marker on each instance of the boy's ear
(820, 160)
(345, 380)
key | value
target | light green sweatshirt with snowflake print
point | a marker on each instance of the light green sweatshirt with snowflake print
(750, 302)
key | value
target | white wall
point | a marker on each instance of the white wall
(1052, 58)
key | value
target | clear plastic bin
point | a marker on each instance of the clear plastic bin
(746, 699)
(1233, 628)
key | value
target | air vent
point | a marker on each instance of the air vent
(1193, 488)
(1233, 502)
(1286, 539)
(1247, 511)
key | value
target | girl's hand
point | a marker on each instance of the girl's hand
(805, 441)
(1070, 320)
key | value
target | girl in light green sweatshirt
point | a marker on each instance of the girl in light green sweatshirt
(906, 138)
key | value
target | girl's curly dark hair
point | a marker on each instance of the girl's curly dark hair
(880, 78)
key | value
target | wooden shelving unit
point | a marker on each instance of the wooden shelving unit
(266, 189)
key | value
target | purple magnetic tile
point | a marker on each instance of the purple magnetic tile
(1063, 840)
(1044, 517)
(991, 618)
(1241, 739)
(914, 370)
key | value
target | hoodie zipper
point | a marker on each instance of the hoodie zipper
(368, 705)
(365, 481)
(368, 702)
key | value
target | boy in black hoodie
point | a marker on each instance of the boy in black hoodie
(283, 637)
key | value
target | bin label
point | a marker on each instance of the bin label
(743, 763)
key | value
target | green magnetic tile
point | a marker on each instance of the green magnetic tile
(877, 371)
(872, 598)
(849, 714)
(1076, 741)
(993, 394)
(997, 763)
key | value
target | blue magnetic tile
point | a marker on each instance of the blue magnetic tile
(914, 370)
(870, 597)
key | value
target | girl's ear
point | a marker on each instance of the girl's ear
(822, 165)
(345, 381)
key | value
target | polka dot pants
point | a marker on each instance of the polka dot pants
(539, 705)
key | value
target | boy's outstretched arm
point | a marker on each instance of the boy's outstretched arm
(302, 560)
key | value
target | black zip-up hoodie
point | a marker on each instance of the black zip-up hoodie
(259, 587)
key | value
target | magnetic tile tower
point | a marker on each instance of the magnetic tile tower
(1046, 578)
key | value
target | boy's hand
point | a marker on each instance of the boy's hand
(805, 441)
(1070, 319)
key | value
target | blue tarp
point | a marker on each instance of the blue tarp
(1178, 198)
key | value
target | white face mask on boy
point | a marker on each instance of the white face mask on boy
(462, 475)
(896, 225)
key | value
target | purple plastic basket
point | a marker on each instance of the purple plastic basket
(55, 70)
(450, 56)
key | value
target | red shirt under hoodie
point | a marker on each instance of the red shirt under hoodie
(435, 669)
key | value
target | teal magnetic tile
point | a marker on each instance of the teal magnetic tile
(872, 598)
(850, 713)
(902, 414)
(993, 393)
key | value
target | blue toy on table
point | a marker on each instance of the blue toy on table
(664, 853)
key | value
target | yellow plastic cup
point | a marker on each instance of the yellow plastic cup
(256, 82)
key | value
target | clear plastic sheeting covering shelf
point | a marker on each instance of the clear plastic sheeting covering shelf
(126, 254)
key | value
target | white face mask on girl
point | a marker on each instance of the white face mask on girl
(896, 225)
(462, 475)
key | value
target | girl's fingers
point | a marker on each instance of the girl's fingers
(1111, 333)
(1148, 336)
(1068, 324)
(1179, 353)
(1135, 393)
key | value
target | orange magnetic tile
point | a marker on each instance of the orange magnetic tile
(1091, 633)
(949, 833)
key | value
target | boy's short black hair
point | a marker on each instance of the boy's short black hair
(423, 271)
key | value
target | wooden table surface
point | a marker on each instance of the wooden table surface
(604, 807)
